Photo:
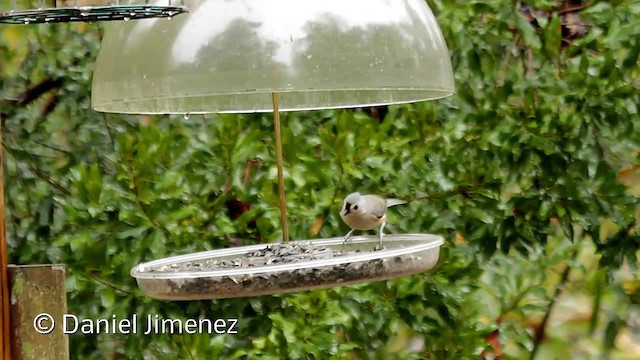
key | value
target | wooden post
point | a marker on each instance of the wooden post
(27, 292)
(37, 290)
(5, 321)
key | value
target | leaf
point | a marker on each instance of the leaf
(107, 298)
(553, 37)
(480, 215)
(316, 226)
(531, 38)
(631, 60)
(607, 67)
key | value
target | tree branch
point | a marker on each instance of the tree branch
(461, 190)
(105, 283)
(42, 175)
(104, 120)
(67, 152)
(37, 90)
(574, 8)
(541, 330)
(39, 173)
(143, 208)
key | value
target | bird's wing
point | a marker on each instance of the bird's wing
(394, 202)
(376, 205)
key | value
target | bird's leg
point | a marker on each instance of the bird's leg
(381, 234)
(348, 236)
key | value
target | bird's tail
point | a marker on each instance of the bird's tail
(394, 202)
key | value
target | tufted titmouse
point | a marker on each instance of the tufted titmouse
(365, 212)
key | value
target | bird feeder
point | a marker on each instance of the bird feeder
(55, 11)
(244, 56)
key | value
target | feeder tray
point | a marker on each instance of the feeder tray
(277, 268)
(245, 56)
(56, 11)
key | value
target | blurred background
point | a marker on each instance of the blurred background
(530, 171)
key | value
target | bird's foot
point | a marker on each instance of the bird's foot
(380, 236)
(347, 237)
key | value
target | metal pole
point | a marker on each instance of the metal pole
(281, 194)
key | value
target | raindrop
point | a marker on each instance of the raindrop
(84, 14)
(309, 56)
(169, 18)
(186, 116)
(26, 21)
(126, 18)
(132, 14)
(147, 9)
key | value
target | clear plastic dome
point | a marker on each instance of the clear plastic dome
(230, 55)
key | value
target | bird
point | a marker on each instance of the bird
(366, 212)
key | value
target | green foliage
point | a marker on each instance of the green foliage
(524, 171)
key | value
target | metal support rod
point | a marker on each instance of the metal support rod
(281, 194)
(5, 330)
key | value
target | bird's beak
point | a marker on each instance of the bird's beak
(347, 209)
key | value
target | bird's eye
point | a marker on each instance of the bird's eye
(355, 207)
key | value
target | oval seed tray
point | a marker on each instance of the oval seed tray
(277, 268)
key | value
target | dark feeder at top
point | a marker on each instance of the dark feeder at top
(245, 56)
(57, 11)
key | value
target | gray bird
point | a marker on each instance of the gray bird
(366, 212)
